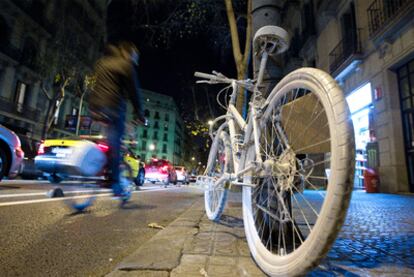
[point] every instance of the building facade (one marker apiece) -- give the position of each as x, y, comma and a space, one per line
368, 47
163, 137
29, 32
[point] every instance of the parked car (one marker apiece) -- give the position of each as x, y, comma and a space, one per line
182, 175
11, 153
160, 171
59, 159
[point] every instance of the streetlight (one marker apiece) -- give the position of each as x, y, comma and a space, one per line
193, 158
210, 122
152, 147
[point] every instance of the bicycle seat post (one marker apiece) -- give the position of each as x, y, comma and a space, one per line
263, 63
269, 41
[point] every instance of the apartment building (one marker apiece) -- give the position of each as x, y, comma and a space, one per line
368, 47
163, 137
28, 32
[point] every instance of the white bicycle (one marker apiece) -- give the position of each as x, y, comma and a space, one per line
293, 157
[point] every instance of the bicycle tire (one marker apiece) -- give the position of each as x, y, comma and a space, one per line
219, 162
284, 239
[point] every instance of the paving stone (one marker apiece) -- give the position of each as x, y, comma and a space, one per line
377, 239
143, 273
190, 265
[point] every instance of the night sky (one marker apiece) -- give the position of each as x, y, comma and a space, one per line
169, 69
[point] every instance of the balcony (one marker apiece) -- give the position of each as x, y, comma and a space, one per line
387, 17
20, 110
347, 53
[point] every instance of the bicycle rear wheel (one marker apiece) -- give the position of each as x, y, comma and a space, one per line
219, 162
298, 205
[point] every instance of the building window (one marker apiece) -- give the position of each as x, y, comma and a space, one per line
165, 127
167, 117
144, 145
157, 115
164, 148
155, 136
145, 134
20, 95
156, 125
147, 113
165, 137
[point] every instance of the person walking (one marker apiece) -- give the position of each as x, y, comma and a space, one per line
116, 83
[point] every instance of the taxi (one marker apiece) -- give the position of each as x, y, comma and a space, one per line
78, 157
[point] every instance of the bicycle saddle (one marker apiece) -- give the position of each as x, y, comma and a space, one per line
271, 39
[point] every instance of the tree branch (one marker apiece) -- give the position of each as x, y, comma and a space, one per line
44, 90
234, 33
248, 34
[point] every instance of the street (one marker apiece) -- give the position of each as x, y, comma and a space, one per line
41, 236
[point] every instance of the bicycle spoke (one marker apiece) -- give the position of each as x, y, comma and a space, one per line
304, 217
313, 145
307, 127
310, 206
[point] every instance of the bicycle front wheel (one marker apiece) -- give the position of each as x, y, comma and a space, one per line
299, 200
219, 162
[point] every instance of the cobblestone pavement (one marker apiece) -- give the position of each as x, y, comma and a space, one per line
376, 240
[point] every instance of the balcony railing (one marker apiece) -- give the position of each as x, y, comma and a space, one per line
349, 46
381, 12
22, 110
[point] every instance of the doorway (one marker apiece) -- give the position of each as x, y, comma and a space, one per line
360, 104
405, 75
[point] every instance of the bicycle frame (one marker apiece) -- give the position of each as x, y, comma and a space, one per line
234, 119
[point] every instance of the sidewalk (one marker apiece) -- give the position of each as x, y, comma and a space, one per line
377, 239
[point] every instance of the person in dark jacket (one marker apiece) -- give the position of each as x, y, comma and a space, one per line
116, 83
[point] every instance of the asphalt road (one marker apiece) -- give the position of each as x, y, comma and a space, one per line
40, 236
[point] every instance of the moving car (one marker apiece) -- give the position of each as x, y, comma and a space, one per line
11, 153
160, 171
182, 175
75, 157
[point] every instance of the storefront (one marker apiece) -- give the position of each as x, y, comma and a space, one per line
360, 105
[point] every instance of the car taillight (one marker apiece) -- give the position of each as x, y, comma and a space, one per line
104, 148
19, 152
41, 149
164, 169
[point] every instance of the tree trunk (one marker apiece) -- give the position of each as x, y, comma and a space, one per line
240, 59
54, 105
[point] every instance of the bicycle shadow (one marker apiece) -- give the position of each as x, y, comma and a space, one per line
230, 221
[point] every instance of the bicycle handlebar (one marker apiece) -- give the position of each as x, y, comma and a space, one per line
220, 78
212, 78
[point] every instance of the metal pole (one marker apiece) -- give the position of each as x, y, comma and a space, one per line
267, 12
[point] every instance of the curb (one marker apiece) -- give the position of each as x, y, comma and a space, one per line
163, 252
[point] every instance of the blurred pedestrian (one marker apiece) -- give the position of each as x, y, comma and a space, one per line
116, 83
